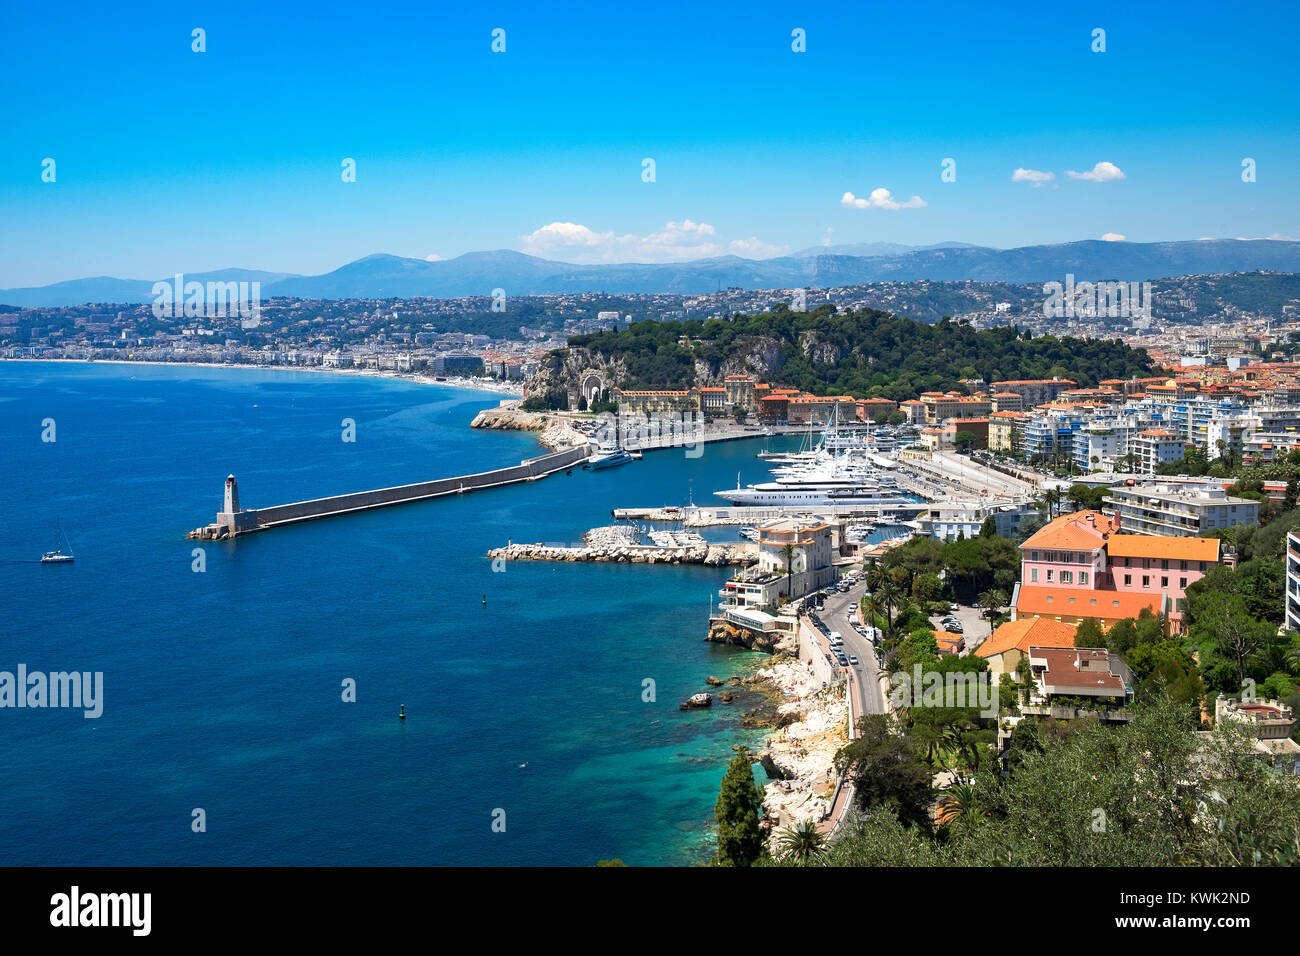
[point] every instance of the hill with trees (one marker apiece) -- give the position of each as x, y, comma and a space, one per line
866, 353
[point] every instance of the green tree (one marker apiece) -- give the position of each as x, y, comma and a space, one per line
802, 843
739, 804
887, 771
989, 529
1089, 634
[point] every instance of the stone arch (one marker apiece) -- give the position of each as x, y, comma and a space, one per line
593, 383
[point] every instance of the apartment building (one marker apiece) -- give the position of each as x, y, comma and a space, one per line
1035, 391
1081, 566
1180, 510
1153, 447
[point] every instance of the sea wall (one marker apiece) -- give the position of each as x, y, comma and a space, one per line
257, 519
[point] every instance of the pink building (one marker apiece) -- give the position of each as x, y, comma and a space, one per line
1081, 566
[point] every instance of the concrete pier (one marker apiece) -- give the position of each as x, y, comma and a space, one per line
234, 520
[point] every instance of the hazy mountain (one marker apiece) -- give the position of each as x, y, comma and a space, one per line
872, 249
478, 273
110, 290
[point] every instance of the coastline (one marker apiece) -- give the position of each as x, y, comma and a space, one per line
465, 384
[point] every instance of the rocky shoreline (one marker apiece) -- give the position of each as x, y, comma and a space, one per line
556, 431
800, 757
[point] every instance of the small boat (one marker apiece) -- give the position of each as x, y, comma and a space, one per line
58, 556
749, 533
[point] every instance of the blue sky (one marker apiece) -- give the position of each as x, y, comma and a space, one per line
169, 160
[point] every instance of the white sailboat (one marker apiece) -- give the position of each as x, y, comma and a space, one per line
58, 556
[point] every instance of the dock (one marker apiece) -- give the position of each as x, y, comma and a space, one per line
234, 520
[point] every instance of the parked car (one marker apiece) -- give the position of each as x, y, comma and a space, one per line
853, 660
956, 627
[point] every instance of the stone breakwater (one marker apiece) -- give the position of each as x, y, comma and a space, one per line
800, 756
716, 555
556, 431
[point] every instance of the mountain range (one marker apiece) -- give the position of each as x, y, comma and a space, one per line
478, 273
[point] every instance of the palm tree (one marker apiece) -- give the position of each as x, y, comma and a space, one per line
990, 602
787, 551
801, 843
959, 802
888, 594
1053, 497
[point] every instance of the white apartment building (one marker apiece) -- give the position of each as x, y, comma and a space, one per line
1153, 447
1183, 510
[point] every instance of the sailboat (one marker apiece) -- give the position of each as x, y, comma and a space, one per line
58, 556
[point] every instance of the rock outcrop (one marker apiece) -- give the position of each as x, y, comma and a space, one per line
557, 431
696, 701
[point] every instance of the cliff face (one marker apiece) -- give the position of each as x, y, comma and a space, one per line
565, 369
760, 356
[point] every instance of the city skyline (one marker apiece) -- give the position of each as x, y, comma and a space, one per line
168, 160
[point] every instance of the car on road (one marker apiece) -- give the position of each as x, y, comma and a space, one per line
853, 660
954, 607
844, 661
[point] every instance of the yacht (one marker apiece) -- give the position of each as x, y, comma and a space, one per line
610, 457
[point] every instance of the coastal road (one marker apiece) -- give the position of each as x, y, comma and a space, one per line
865, 677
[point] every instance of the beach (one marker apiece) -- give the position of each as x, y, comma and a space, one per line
509, 389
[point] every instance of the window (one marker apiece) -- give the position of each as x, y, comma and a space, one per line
1049, 574
1083, 577
1146, 580
1182, 584
1128, 580
1164, 565
1033, 574
1164, 582
1033, 555
1067, 577
1183, 565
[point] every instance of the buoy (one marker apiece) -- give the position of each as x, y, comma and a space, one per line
485, 600
401, 712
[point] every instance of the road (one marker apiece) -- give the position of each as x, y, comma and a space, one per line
865, 676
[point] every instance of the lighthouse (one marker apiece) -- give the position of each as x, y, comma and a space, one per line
231, 505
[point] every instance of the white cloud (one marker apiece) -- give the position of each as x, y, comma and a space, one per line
1278, 235
1113, 237
1103, 172
826, 240
433, 257
677, 241
755, 248
880, 199
1035, 176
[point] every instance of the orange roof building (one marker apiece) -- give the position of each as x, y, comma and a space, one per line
1082, 566
1012, 641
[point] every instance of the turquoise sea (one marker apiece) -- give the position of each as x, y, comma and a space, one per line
223, 688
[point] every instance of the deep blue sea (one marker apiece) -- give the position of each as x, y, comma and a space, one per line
223, 689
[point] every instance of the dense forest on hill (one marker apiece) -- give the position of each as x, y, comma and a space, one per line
862, 353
